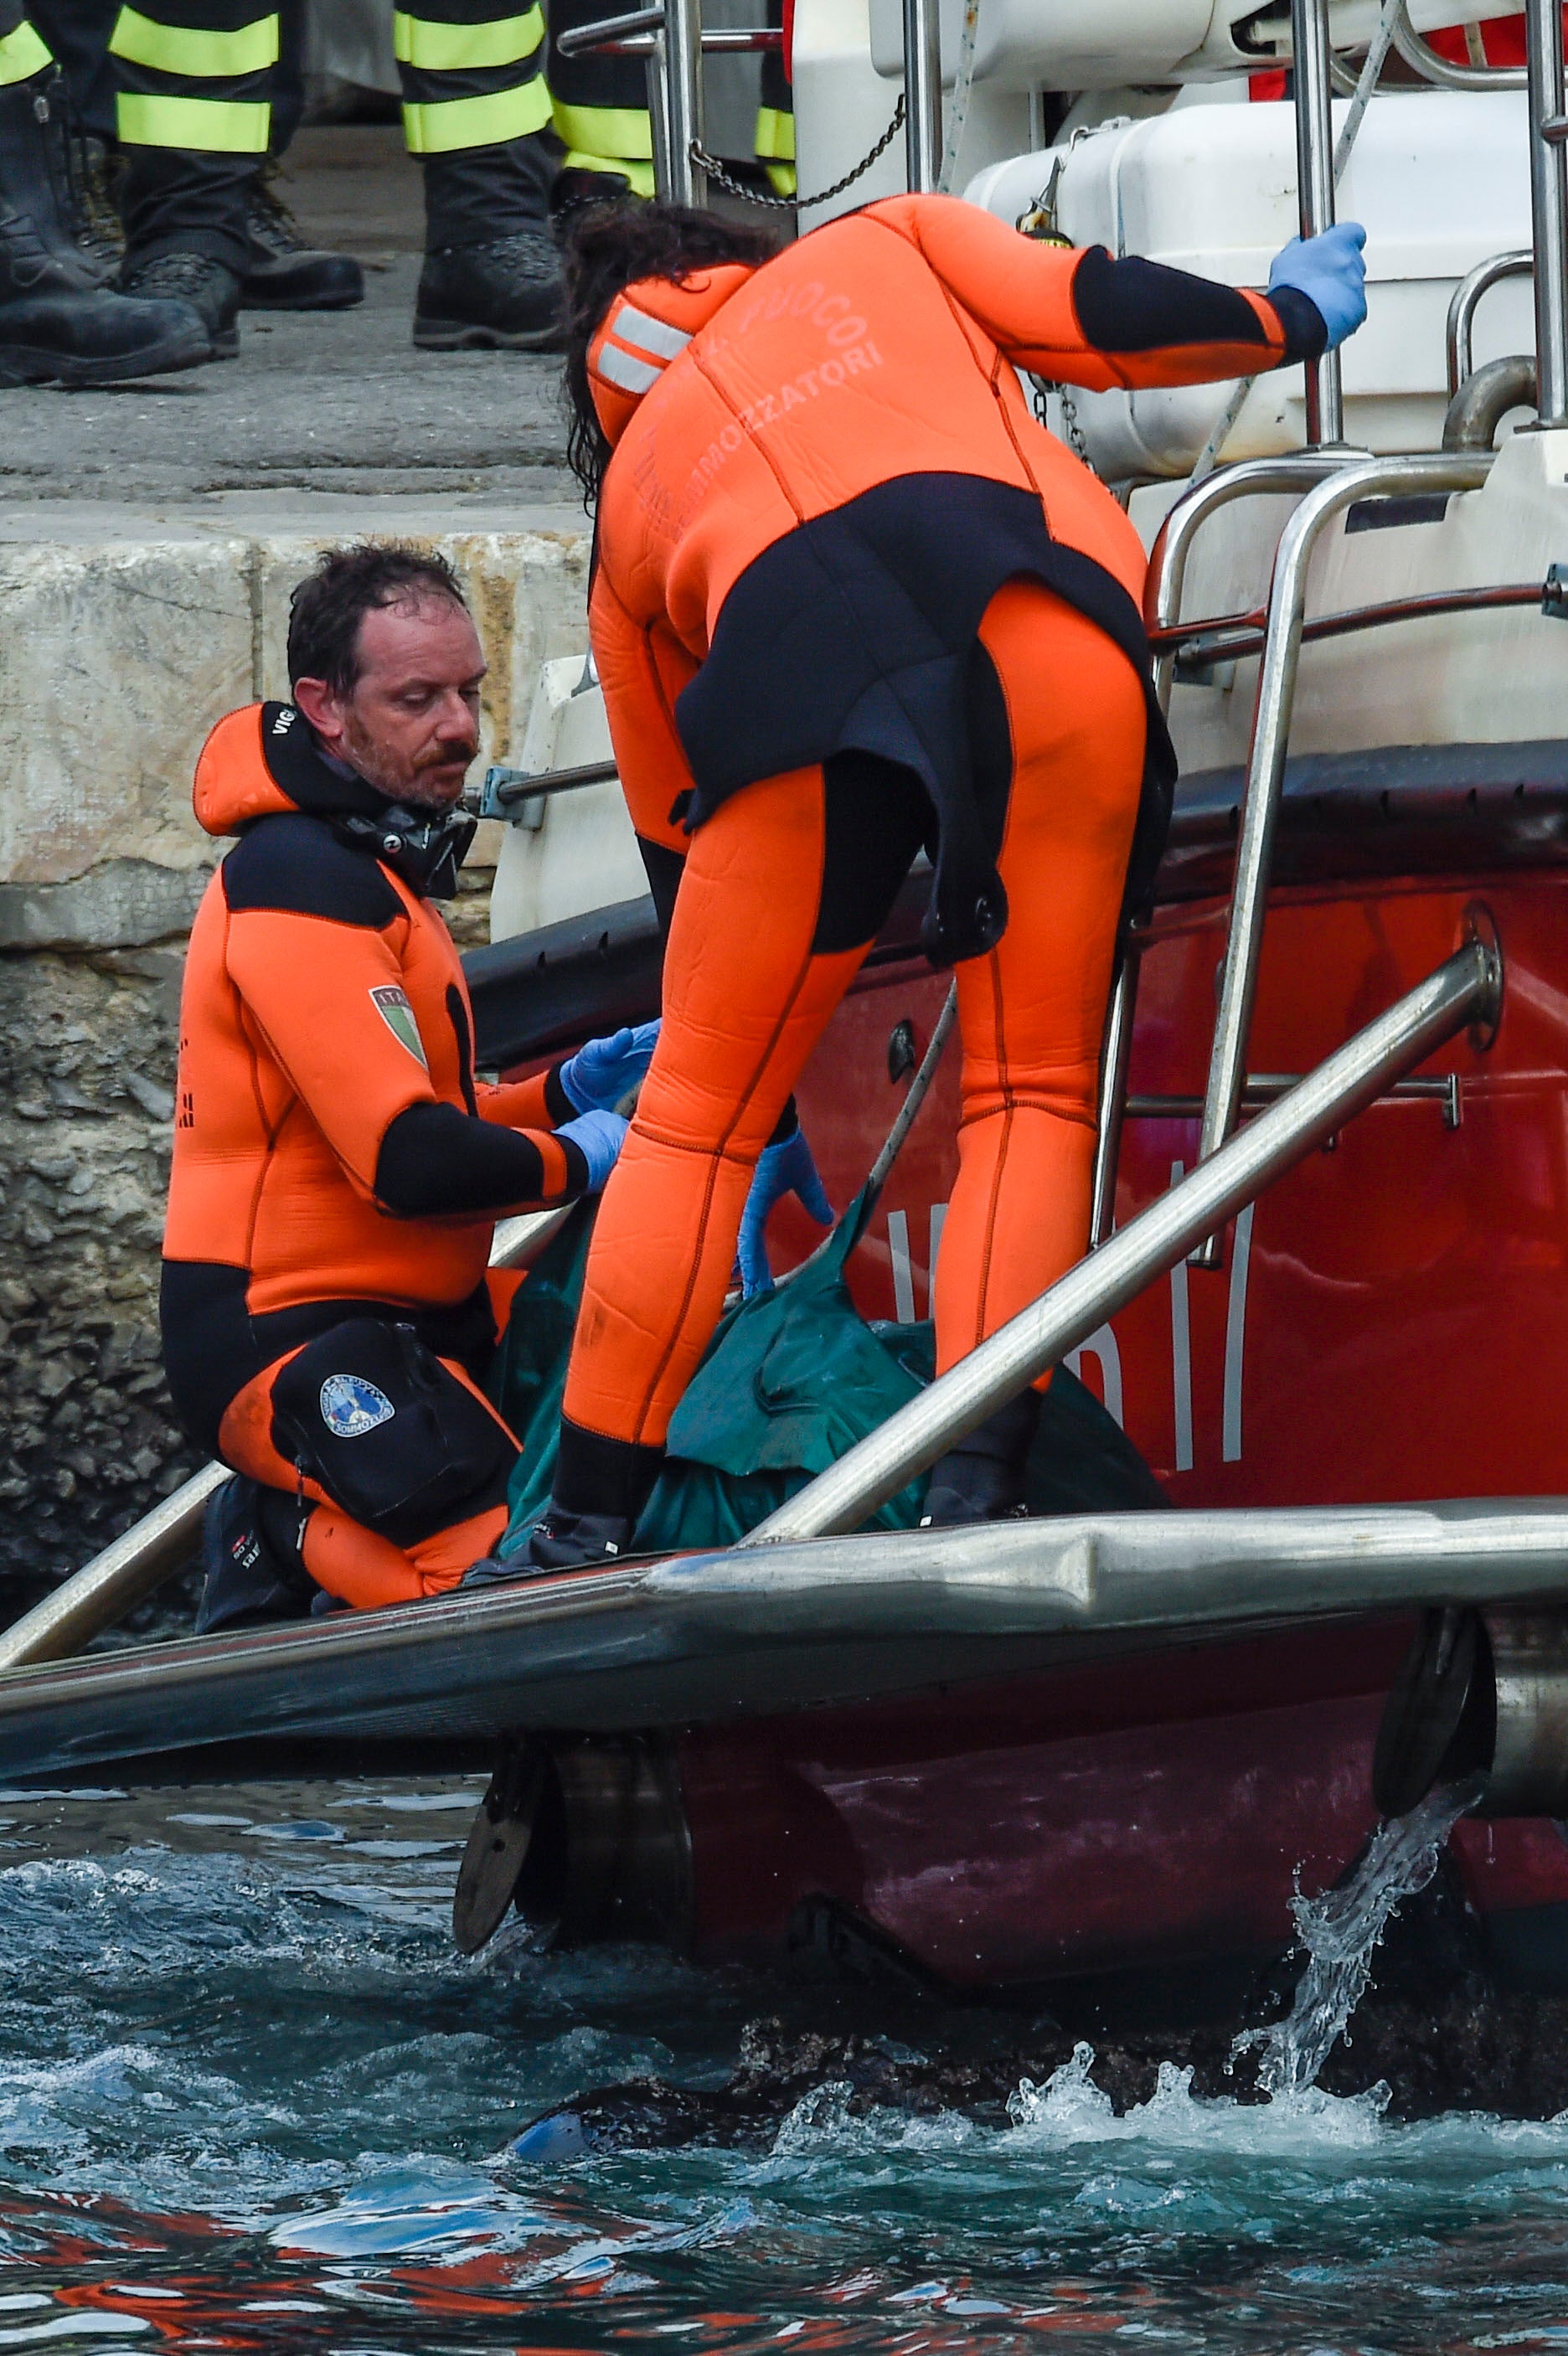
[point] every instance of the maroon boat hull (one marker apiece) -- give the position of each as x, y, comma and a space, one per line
1391, 1323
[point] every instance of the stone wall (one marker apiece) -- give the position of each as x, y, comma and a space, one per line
113, 666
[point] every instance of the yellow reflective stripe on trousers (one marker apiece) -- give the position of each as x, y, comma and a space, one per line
22, 54
195, 55
774, 135
606, 130
432, 47
639, 177
212, 127
452, 123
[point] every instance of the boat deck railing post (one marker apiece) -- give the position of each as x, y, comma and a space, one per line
1315, 191
1466, 989
922, 94
1368, 478
1257, 478
1549, 206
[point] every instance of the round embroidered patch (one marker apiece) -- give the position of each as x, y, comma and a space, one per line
351, 1405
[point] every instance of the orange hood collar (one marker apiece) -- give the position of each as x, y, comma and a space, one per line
263, 759
646, 326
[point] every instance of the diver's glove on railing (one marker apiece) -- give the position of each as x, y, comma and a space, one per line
598, 1138
783, 1168
599, 1075
1330, 271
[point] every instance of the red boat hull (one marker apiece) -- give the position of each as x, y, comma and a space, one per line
1391, 1323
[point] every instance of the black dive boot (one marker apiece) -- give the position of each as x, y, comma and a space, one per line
982, 1479
58, 323
504, 297
617, 1475
206, 285
561, 1541
285, 272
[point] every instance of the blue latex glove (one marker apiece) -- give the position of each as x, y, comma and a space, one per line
1329, 271
600, 1137
597, 1077
786, 1168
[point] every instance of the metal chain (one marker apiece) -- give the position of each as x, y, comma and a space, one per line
716, 170
1039, 222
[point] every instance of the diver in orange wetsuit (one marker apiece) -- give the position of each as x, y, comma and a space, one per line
849, 598
327, 1314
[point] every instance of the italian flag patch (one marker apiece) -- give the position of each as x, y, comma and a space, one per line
392, 1004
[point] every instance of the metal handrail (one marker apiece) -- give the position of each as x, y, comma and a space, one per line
504, 789
1254, 478
1466, 989
610, 28
1547, 205
1422, 58
670, 37
923, 95
1463, 307
1162, 589
1230, 637
1115, 1061
1266, 755
1314, 188
742, 41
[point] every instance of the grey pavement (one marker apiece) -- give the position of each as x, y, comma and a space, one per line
333, 401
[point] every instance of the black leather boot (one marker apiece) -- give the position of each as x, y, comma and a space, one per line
504, 297
982, 1479
58, 323
286, 274
207, 286
99, 239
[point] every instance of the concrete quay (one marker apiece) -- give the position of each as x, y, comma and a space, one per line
149, 539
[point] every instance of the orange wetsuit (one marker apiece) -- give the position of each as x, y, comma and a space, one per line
851, 596
337, 1170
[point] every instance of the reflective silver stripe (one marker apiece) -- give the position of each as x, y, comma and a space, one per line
646, 335
631, 375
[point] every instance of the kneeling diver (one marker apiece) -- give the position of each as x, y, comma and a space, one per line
851, 598
328, 1317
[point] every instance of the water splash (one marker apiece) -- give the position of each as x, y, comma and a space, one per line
1340, 1931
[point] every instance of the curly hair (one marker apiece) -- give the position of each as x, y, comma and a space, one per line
329, 605
612, 246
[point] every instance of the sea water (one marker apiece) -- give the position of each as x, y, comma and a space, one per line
251, 2099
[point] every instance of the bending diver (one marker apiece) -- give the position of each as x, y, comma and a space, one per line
851, 598
328, 1313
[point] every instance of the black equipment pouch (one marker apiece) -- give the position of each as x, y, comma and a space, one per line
389, 1431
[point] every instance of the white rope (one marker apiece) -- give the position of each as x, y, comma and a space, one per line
959, 109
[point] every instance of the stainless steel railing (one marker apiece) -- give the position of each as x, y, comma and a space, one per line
1460, 336
1549, 206
922, 94
1314, 188
1255, 477
1466, 989
1277, 671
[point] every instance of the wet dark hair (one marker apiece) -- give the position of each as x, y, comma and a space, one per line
328, 607
612, 246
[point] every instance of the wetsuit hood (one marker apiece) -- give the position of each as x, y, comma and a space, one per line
265, 760
648, 325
